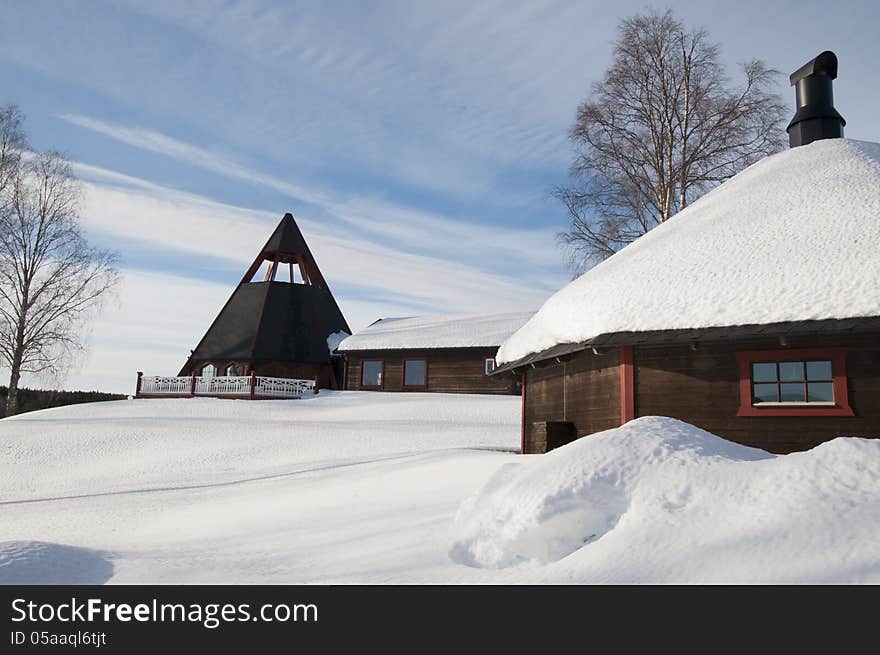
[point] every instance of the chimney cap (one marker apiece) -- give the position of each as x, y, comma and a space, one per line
826, 63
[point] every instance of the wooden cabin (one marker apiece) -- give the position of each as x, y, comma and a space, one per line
449, 354
753, 314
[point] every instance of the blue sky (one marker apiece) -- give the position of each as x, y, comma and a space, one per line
415, 142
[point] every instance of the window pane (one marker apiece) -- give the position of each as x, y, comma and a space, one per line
765, 372
208, 371
791, 371
819, 371
820, 392
765, 393
488, 366
414, 373
791, 393
371, 374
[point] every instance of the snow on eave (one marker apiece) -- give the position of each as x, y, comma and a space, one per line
602, 342
333, 340
793, 237
442, 331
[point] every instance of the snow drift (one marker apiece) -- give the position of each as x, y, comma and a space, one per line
661, 500
793, 237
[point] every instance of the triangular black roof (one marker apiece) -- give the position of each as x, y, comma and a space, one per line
287, 238
274, 322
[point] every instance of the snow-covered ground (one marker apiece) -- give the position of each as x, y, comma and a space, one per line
338, 487
365, 487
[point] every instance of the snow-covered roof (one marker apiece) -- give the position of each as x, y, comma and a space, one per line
449, 331
794, 237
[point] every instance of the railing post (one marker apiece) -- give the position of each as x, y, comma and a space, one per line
253, 382
317, 382
137, 388
192, 385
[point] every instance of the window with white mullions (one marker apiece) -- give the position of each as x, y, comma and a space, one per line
792, 382
488, 365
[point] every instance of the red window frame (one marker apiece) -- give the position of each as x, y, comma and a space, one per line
837, 356
494, 366
361, 384
403, 383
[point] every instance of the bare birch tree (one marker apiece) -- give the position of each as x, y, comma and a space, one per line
13, 141
662, 127
51, 279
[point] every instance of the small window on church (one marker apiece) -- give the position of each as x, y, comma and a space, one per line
208, 371
372, 372
488, 365
415, 373
234, 370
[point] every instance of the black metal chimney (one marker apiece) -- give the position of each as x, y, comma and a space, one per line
816, 118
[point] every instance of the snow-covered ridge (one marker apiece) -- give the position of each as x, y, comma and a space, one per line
793, 237
447, 331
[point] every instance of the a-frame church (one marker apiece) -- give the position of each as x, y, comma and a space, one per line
278, 320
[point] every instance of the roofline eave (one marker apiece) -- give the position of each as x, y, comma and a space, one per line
693, 335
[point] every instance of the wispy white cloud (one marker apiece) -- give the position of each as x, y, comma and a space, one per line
452, 70
448, 97
212, 161
489, 247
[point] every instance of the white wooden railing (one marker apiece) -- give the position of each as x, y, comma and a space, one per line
282, 387
232, 385
155, 385
242, 386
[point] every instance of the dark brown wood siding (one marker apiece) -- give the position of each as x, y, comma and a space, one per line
450, 370
584, 391
701, 386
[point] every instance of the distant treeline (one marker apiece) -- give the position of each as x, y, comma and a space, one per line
30, 400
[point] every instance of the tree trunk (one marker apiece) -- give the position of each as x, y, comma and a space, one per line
15, 371
12, 397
